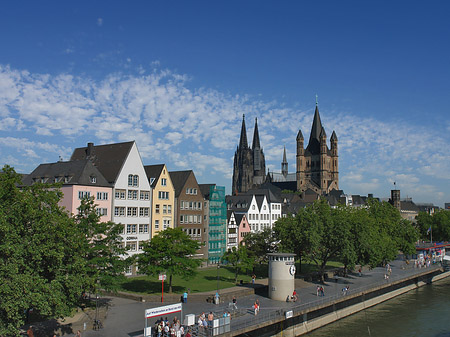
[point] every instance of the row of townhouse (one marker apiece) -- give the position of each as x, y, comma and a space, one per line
145, 199
251, 212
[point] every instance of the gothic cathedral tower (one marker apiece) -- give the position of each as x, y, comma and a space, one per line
317, 165
249, 168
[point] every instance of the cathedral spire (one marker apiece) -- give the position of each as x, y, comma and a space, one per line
255, 143
243, 143
284, 164
284, 155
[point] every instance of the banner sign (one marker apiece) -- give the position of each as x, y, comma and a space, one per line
160, 311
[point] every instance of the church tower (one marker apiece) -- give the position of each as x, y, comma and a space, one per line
317, 165
249, 167
284, 164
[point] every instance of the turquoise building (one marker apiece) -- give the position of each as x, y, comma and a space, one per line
217, 221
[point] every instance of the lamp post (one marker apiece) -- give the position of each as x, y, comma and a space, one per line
218, 267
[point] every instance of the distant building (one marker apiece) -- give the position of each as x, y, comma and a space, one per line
216, 216
317, 166
79, 179
163, 197
447, 206
122, 167
189, 209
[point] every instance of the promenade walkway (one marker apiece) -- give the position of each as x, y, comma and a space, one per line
125, 317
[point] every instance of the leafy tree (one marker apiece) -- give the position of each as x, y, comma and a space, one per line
42, 265
171, 252
259, 244
439, 222
239, 259
103, 247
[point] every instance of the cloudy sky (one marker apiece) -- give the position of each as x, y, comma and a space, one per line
177, 76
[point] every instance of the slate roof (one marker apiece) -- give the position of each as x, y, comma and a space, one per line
179, 179
153, 171
233, 201
409, 205
108, 158
78, 172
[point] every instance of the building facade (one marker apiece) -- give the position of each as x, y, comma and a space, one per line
163, 198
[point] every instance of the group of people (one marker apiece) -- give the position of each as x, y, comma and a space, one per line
320, 291
163, 328
205, 321
293, 298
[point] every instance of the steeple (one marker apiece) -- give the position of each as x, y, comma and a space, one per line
284, 164
255, 143
243, 143
316, 126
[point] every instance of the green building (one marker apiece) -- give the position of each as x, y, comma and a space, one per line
216, 215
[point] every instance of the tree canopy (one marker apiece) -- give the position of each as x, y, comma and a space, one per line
259, 244
436, 224
239, 258
170, 251
366, 236
103, 248
42, 265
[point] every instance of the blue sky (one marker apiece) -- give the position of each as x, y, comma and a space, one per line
176, 76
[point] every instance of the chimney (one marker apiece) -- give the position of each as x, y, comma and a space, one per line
90, 147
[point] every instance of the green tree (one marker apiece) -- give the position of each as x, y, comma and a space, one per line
105, 253
171, 251
42, 265
259, 244
438, 223
239, 259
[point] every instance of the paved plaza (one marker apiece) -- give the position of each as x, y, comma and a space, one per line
125, 317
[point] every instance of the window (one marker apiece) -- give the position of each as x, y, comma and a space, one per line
102, 211
169, 209
253, 207
156, 224
102, 195
84, 194
166, 223
141, 245
163, 182
163, 195
119, 194
164, 209
119, 211
93, 179
152, 180
195, 191
132, 194
143, 229
132, 211
143, 211
131, 246
131, 229
133, 180
157, 208
144, 195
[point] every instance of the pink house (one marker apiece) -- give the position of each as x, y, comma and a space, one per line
79, 179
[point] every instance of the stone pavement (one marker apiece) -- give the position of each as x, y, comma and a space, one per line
125, 317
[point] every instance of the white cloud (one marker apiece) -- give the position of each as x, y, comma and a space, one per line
99, 22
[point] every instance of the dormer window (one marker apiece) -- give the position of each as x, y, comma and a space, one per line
152, 180
93, 179
66, 179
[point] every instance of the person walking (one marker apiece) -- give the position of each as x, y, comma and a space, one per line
185, 295
234, 303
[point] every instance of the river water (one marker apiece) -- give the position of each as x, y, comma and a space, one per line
423, 312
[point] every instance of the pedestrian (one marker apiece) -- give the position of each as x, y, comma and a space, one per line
234, 303
210, 319
318, 291
217, 298
185, 295
253, 279
294, 296
78, 334
255, 307
322, 291
359, 272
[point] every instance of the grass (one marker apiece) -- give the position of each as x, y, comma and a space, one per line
205, 280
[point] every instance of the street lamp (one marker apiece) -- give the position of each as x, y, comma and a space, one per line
218, 267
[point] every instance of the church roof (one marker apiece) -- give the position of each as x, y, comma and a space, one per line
243, 143
255, 143
284, 155
314, 138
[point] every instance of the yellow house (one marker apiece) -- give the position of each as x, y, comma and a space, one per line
163, 198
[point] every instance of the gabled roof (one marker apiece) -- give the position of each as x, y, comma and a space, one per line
109, 158
243, 201
179, 179
259, 200
238, 218
77, 172
153, 171
409, 205
269, 190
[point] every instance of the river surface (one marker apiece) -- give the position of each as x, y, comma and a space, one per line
421, 312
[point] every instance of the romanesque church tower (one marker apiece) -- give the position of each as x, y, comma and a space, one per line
249, 169
317, 165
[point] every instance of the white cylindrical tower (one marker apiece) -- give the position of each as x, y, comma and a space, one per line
281, 275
